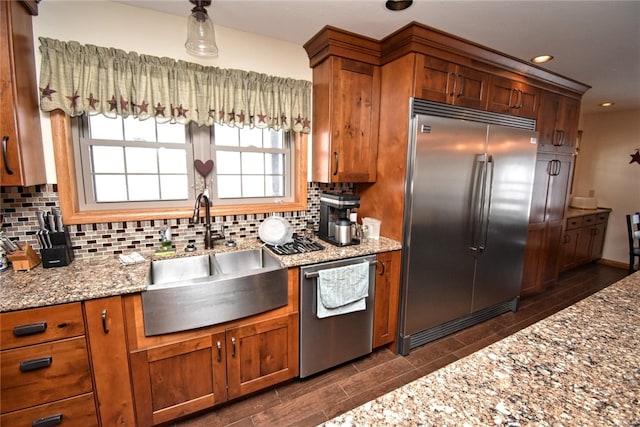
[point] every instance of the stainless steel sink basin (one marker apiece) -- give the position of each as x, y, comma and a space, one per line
179, 269
203, 290
242, 261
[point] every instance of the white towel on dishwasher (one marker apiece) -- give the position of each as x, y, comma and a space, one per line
342, 290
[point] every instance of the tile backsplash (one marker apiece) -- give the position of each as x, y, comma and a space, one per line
20, 204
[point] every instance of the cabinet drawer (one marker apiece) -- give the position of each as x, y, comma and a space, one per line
602, 217
79, 411
588, 220
39, 325
43, 373
574, 222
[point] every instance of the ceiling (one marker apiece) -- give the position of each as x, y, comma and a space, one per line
593, 42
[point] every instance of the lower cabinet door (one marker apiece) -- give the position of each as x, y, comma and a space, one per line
78, 411
262, 354
177, 379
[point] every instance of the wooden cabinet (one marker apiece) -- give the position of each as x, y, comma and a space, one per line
22, 159
583, 239
513, 97
186, 376
552, 178
443, 81
346, 108
385, 321
558, 122
104, 320
45, 371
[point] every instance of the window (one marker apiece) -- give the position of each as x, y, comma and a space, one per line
130, 164
251, 163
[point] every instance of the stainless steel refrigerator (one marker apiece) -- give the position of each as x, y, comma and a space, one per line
468, 194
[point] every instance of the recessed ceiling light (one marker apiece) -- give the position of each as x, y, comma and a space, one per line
398, 4
607, 104
541, 59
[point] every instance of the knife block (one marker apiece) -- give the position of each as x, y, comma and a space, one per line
24, 259
61, 252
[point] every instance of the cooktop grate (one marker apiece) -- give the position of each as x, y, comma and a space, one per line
299, 245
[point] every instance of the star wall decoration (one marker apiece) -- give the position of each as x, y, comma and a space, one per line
635, 157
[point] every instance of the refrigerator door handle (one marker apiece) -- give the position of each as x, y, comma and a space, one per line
489, 168
476, 206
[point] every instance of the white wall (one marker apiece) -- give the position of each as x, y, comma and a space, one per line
109, 24
602, 165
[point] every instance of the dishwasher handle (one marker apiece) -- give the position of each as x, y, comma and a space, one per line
314, 274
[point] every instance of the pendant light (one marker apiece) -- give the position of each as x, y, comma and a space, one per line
201, 38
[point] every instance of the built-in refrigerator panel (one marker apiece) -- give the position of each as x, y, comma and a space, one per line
440, 266
468, 192
511, 155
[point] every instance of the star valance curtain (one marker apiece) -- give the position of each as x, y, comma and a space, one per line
81, 79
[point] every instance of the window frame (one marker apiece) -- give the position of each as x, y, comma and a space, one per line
73, 213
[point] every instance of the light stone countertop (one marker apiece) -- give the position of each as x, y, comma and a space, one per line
99, 277
578, 367
574, 212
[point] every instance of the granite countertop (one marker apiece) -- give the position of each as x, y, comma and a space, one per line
574, 212
580, 366
100, 277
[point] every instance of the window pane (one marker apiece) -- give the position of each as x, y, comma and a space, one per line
274, 186
229, 186
250, 137
141, 160
144, 187
101, 127
253, 186
174, 187
110, 188
107, 159
252, 163
171, 132
273, 138
139, 130
226, 135
274, 164
172, 161
227, 162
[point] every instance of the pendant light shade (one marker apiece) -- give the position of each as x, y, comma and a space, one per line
201, 37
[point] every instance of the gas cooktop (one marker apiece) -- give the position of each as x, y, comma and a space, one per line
299, 245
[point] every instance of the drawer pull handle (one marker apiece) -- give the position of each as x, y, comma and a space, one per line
219, 346
30, 329
33, 364
233, 346
52, 420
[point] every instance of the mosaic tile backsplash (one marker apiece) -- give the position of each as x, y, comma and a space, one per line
20, 204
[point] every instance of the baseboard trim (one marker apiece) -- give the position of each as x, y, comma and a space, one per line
615, 264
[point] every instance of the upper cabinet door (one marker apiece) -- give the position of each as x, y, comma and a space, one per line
443, 81
21, 153
557, 122
346, 110
512, 97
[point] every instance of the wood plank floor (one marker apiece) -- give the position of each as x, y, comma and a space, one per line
319, 398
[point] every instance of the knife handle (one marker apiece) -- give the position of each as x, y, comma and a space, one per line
52, 222
40, 216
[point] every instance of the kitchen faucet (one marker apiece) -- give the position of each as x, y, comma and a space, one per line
209, 238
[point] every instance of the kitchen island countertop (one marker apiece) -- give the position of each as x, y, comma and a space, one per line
100, 277
580, 366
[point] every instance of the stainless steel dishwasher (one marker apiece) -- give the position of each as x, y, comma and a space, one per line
330, 341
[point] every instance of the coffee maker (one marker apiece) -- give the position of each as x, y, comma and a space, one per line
335, 226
